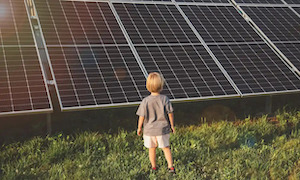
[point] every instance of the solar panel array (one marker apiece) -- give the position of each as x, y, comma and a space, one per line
22, 87
101, 52
161, 37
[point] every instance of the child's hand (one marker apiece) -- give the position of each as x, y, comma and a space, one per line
173, 129
139, 132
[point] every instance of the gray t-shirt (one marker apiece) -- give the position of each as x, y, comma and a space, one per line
155, 110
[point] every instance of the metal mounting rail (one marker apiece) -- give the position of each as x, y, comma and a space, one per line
47, 57
43, 64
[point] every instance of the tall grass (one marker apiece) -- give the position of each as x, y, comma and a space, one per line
259, 148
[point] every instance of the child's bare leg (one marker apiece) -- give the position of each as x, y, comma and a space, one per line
168, 155
152, 156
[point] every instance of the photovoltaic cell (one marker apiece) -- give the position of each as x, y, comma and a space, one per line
155, 23
278, 23
220, 24
22, 87
73, 22
93, 76
260, 1
256, 68
291, 51
189, 70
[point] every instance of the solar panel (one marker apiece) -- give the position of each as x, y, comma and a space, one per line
291, 51
220, 24
68, 23
95, 76
204, 1
155, 23
256, 68
260, 1
189, 70
278, 23
22, 88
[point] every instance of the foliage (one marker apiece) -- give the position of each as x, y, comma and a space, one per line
260, 148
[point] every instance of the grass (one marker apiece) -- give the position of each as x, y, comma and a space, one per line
260, 148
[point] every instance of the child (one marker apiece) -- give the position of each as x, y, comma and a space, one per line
156, 114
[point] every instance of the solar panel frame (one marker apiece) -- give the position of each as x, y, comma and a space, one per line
37, 88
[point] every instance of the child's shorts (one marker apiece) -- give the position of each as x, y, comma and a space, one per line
152, 141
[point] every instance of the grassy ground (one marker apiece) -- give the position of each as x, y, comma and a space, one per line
250, 149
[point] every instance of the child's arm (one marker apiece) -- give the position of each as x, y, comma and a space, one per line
171, 118
140, 124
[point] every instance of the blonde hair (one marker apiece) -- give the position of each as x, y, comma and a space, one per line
155, 82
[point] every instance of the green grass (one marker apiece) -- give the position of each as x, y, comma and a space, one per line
249, 149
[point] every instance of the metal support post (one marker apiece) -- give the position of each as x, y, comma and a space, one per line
269, 104
49, 127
